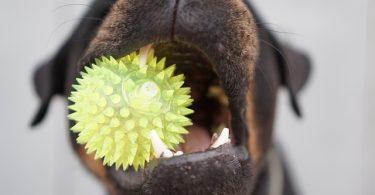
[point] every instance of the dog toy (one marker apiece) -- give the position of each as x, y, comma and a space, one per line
118, 102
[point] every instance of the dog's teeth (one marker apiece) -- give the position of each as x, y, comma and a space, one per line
158, 145
178, 153
167, 154
214, 138
143, 53
222, 139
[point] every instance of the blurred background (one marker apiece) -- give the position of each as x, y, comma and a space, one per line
331, 150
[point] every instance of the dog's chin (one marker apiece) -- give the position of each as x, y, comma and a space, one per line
201, 169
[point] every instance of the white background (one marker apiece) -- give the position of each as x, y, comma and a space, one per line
331, 150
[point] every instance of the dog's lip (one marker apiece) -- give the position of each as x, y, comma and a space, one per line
188, 165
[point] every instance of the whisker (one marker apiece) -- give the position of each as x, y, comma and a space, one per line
71, 4
268, 83
267, 26
69, 21
281, 54
280, 32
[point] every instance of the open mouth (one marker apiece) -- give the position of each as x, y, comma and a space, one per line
216, 55
210, 150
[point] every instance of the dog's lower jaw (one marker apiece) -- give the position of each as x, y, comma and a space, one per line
228, 171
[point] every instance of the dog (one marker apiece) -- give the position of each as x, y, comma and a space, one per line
234, 66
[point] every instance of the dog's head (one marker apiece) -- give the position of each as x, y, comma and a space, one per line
233, 65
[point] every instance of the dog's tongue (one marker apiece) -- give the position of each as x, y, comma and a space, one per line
197, 140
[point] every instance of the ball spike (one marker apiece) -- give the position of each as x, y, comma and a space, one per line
170, 70
161, 64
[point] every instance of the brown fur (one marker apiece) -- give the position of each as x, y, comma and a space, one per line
261, 99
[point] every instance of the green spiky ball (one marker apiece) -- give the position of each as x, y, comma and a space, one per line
118, 102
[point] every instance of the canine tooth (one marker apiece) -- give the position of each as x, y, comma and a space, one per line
178, 153
222, 139
214, 138
144, 54
157, 144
